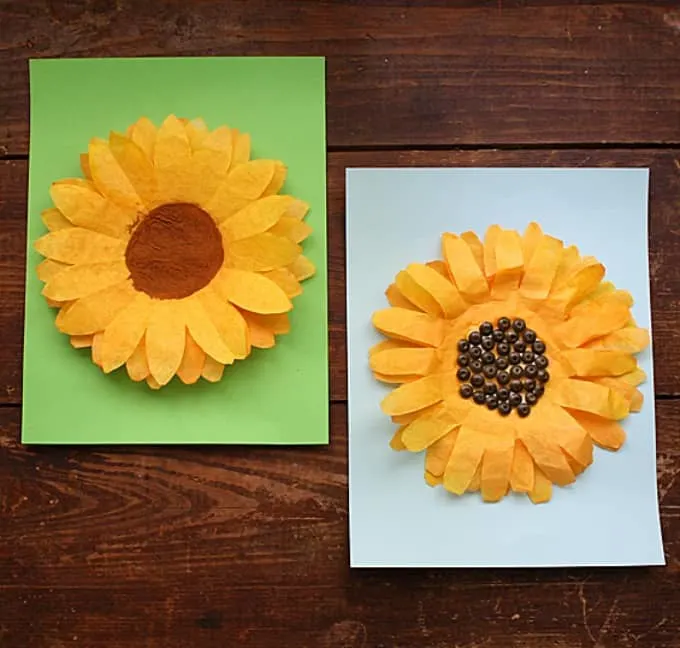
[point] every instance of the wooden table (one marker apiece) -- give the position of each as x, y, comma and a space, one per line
220, 547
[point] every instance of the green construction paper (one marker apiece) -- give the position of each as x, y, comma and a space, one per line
276, 396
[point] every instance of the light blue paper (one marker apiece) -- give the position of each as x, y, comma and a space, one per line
610, 516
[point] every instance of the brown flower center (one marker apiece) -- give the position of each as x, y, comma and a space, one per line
174, 251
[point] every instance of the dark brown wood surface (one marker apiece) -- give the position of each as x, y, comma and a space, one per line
218, 547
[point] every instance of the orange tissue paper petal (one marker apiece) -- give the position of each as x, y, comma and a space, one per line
396, 443
302, 268
396, 298
438, 453
77, 245
542, 490
262, 252
590, 397
251, 291
137, 365
193, 361
522, 471
441, 290
212, 370
467, 274
408, 325
256, 218
165, 340
604, 432
496, 471
430, 427
595, 362
413, 396
122, 336
464, 460
414, 361
95, 312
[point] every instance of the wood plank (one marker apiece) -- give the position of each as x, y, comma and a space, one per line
398, 73
664, 246
243, 546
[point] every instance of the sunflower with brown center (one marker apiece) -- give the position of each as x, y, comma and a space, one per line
513, 357
175, 254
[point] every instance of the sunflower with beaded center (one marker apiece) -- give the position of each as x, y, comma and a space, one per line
175, 254
513, 356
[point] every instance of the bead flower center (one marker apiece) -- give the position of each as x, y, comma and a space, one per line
174, 251
503, 367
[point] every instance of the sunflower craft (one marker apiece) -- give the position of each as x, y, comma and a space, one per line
512, 357
175, 254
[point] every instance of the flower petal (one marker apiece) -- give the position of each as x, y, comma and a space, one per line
605, 433
429, 428
228, 321
464, 460
259, 335
78, 245
172, 161
509, 264
302, 268
122, 336
635, 377
396, 298
476, 246
540, 270
165, 339
415, 361
633, 396
291, 228
241, 148
409, 325
212, 370
204, 331
137, 167
417, 295
467, 274
143, 134
596, 362
250, 291
522, 474
84, 279
95, 312
592, 323
262, 252
285, 280
496, 471
396, 443
546, 453
54, 220
137, 365
590, 397
193, 362
630, 339
490, 239
48, 269
251, 179
278, 179
533, 236
109, 178
438, 453
256, 218
81, 341
413, 396
542, 490
441, 290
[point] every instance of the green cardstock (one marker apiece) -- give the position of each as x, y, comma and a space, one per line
275, 396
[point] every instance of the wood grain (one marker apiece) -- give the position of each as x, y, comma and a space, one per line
664, 247
399, 73
233, 546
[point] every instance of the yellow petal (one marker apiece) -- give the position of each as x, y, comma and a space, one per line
109, 178
605, 433
630, 339
476, 246
522, 472
291, 228
546, 453
48, 269
95, 312
542, 490
395, 379
469, 276
438, 453
409, 325
197, 131
259, 335
409, 417
278, 179
584, 279
251, 179
464, 460
533, 236
212, 370
592, 323
153, 383
165, 339
143, 134
54, 220
204, 331
256, 218
635, 377
396, 443
590, 397
595, 362
81, 341
414, 361
428, 428
417, 295
285, 280
540, 270
496, 471
77, 245
79, 281
172, 160
413, 396
193, 362
137, 365
85, 166
490, 250
302, 268
508, 264
262, 252
250, 291
229, 323
396, 298
441, 290
96, 349
241, 148
298, 209
278, 323
122, 336
565, 430
633, 396
210, 164
137, 167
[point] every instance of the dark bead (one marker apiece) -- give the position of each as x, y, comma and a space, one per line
528, 357
523, 410
541, 362
475, 338
477, 380
488, 357
520, 346
515, 399
463, 374
502, 362
489, 371
511, 337
503, 348
488, 343
539, 346
503, 377
504, 408
531, 398
466, 390
498, 335
475, 352
503, 394
519, 324
528, 384
486, 328
529, 336
543, 375
515, 385
515, 358
463, 345
516, 371
463, 360
490, 388
539, 390
476, 366
530, 371
479, 398
504, 323
491, 402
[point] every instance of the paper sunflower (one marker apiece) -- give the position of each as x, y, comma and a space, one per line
513, 356
175, 254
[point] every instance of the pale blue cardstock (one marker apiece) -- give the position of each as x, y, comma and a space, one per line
610, 515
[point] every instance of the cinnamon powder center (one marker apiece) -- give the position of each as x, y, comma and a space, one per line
174, 251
